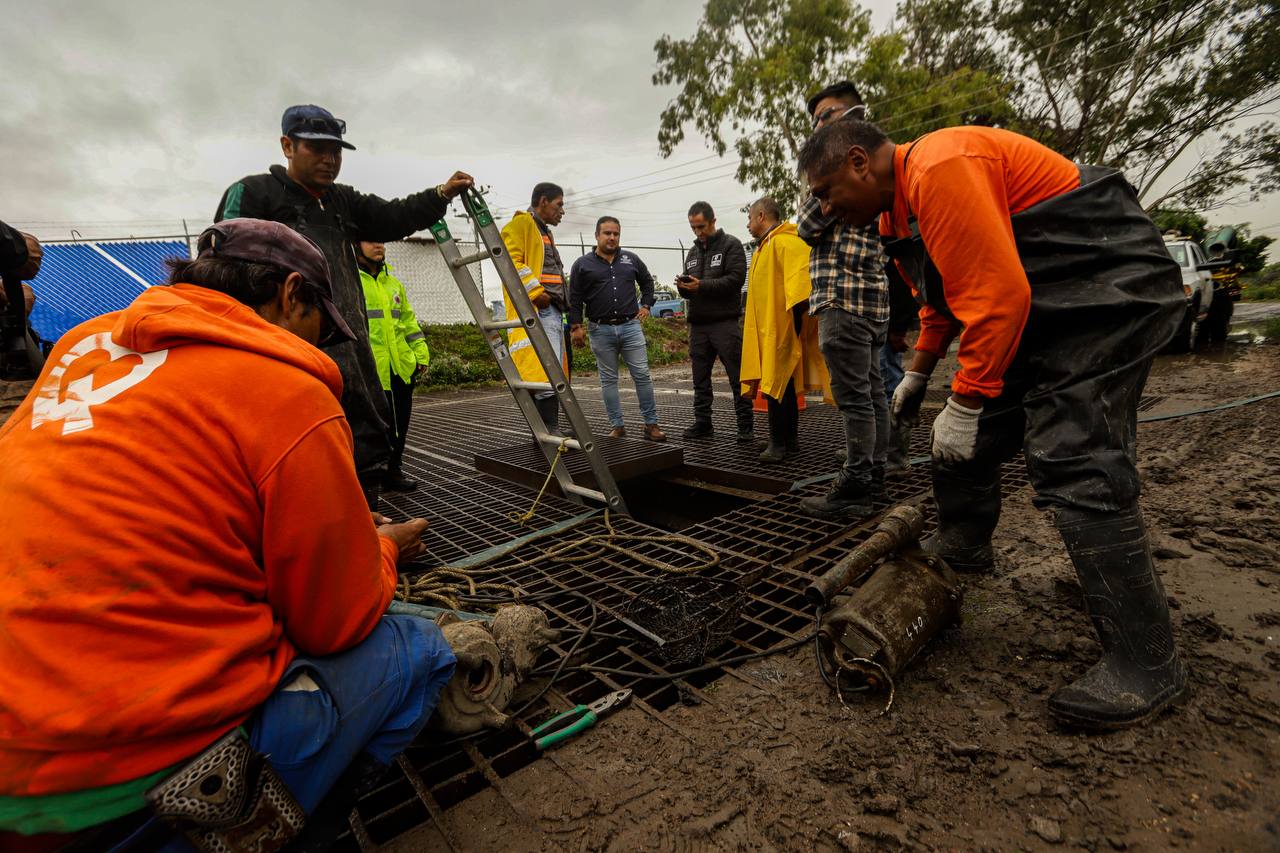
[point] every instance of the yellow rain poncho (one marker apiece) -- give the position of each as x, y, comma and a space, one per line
772, 352
524, 243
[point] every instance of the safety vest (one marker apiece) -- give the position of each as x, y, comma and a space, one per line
395, 337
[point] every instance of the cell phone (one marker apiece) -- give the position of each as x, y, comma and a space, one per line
684, 278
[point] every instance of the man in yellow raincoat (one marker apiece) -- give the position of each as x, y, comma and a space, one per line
533, 251
780, 355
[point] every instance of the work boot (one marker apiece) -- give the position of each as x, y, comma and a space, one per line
652, 432
549, 409
774, 453
699, 429
396, 481
793, 444
848, 498
618, 432
897, 462
1140, 673
746, 436
968, 500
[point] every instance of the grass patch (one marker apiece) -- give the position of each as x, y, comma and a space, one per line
460, 358
1271, 330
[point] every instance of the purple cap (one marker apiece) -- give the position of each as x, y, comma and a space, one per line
261, 242
307, 121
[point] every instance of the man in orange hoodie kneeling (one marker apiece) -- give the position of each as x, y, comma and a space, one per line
187, 560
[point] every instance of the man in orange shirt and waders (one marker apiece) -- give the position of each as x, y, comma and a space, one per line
190, 579
1061, 292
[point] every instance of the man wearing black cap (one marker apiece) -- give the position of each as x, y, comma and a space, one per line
305, 197
230, 585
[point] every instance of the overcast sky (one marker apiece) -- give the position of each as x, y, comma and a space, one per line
125, 118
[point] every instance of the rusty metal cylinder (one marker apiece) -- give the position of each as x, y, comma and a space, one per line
891, 617
900, 526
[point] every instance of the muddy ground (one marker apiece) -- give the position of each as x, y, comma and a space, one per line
768, 759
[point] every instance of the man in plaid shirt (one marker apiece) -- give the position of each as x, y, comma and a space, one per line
851, 300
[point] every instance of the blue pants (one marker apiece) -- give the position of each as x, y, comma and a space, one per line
627, 339
890, 369
373, 698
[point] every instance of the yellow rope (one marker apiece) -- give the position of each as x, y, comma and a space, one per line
524, 518
446, 584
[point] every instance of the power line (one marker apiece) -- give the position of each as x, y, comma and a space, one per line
645, 175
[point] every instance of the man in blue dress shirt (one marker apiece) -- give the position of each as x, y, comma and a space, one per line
603, 286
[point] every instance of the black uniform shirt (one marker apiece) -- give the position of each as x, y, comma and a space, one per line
608, 290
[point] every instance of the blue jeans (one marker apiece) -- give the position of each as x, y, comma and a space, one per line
374, 698
627, 339
890, 369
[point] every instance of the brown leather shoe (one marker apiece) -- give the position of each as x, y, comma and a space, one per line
653, 432
618, 432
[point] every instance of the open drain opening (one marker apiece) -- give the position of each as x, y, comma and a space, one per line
674, 503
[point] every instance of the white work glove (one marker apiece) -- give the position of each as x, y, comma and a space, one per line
907, 398
955, 432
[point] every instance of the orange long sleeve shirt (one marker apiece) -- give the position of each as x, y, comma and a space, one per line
963, 184
181, 519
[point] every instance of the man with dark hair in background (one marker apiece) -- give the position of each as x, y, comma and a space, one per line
603, 285
851, 300
715, 270
1061, 292
305, 196
537, 261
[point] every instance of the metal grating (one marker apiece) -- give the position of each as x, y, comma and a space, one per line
768, 545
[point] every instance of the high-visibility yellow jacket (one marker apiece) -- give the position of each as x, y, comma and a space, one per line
524, 242
395, 337
772, 352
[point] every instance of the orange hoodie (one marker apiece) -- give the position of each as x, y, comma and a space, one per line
181, 519
963, 184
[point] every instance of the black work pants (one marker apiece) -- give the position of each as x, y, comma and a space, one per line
400, 399
708, 341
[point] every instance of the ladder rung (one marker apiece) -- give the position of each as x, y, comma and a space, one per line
473, 258
585, 492
532, 386
548, 438
504, 324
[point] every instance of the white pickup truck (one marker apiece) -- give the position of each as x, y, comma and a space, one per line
1197, 284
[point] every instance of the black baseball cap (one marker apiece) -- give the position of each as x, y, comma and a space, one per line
307, 121
261, 242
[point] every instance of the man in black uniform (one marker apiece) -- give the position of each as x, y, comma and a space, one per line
714, 272
305, 197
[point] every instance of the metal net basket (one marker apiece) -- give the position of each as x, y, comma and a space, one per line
690, 616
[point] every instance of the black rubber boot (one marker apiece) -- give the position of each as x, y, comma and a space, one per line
549, 409
396, 481
849, 498
698, 429
968, 511
776, 451
899, 443
1140, 673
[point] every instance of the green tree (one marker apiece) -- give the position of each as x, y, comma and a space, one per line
1142, 85
1186, 222
746, 72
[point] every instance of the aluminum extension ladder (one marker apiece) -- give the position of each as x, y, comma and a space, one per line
496, 251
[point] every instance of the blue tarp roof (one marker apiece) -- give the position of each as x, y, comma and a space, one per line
76, 283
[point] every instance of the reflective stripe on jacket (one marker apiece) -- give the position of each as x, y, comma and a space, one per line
395, 337
525, 245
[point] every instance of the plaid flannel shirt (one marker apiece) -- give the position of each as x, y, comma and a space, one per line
846, 264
